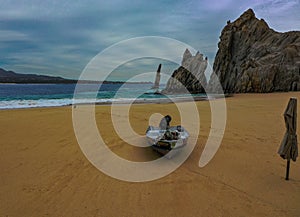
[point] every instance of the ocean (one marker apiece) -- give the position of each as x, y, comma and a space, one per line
13, 96
48, 95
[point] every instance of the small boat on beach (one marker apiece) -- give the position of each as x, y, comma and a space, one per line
165, 140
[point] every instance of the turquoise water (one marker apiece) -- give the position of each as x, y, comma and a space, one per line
47, 95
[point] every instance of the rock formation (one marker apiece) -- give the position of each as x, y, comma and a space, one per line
189, 76
157, 78
254, 58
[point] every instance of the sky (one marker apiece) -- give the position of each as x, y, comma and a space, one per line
60, 37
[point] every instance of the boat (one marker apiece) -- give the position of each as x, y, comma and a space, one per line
154, 91
164, 141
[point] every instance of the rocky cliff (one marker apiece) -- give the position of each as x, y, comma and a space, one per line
189, 76
254, 58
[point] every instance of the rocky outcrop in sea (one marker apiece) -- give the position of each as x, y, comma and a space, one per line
254, 58
189, 76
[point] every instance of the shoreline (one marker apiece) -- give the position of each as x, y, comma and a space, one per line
132, 101
151, 101
158, 101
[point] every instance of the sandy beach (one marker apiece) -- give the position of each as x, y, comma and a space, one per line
44, 172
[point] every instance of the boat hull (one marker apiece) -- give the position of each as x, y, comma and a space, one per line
164, 146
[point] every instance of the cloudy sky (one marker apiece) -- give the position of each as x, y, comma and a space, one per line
60, 37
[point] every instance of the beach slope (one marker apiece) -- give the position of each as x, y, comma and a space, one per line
44, 173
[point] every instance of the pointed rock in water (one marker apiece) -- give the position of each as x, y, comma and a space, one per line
189, 77
157, 78
254, 58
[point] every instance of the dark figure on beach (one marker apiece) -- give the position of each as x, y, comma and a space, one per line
165, 122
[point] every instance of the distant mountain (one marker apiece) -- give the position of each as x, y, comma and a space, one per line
18, 78
13, 77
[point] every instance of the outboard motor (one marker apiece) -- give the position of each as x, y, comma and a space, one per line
165, 122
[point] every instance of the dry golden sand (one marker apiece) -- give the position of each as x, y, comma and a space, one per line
44, 173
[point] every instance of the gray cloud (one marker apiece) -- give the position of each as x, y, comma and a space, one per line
60, 37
